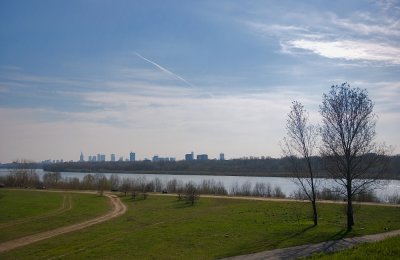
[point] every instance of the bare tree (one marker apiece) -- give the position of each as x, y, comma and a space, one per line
114, 181
51, 179
101, 183
125, 186
88, 181
299, 146
191, 192
351, 156
24, 175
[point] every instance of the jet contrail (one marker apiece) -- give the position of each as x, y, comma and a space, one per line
163, 69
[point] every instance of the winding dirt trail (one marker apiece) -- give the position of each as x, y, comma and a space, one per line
118, 208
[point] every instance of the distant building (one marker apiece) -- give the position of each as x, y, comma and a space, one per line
121, 159
100, 157
202, 157
189, 156
112, 157
132, 157
81, 158
156, 158
221, 156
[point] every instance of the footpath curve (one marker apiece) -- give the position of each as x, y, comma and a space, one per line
309, 249
118, 208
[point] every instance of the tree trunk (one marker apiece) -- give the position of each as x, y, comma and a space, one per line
350, 219
315, 214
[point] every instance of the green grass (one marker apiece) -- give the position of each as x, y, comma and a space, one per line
164, 228
24, 204
386, 249
26, 212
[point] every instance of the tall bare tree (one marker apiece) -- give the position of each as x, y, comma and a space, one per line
350, 153
299, 146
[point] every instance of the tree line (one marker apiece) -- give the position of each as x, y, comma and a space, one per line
272, 167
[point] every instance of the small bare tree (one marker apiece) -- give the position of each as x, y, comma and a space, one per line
191, 192
125, 186
101, 183
298, 146
350, 153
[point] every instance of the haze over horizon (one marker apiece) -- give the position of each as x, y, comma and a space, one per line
171, 77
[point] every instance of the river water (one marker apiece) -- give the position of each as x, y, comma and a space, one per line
287, 185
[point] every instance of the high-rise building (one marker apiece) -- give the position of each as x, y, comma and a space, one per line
189, 156
221, 156
81, 158
202, 157
113, 157
157, 158
132, 157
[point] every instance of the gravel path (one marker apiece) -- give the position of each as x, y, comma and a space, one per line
307, 250
118, 208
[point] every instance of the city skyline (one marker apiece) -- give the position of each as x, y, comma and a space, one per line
132, 156
172, 77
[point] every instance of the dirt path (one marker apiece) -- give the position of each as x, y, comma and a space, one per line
118, 208
284, 200
323, 247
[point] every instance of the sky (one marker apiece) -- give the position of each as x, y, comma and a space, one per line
171, 77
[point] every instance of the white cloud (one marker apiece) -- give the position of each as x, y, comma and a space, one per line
349, 50
369, 25
275, 28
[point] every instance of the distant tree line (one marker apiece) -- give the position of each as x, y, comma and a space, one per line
273, 167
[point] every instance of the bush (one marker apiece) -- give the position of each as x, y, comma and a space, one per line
394, 198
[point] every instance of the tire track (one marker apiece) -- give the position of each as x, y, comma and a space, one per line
65, 206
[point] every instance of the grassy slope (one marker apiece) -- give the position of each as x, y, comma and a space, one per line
163, 228
24, 204
386, 249
41, 211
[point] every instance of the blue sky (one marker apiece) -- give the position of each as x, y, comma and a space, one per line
171, 77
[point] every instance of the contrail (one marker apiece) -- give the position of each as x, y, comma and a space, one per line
164, 69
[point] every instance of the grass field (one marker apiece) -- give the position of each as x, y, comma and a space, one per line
25, 212
386, 249
163, 228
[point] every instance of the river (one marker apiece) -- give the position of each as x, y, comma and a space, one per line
287, 185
